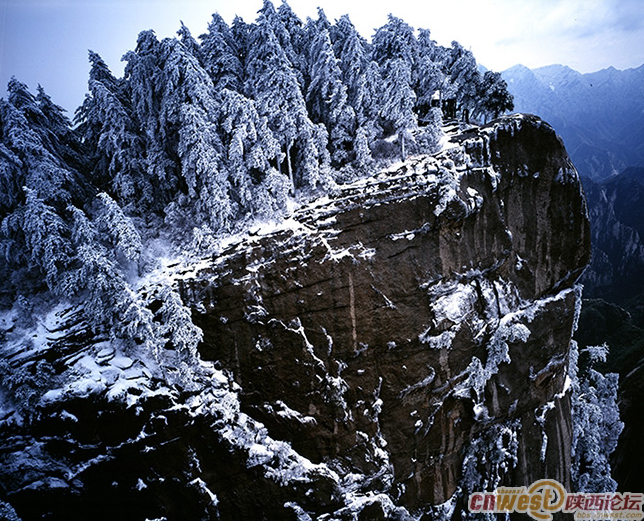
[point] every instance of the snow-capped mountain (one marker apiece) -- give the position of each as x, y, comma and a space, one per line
600, 115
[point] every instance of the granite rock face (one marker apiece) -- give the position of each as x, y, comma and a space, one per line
394, 324
389, 349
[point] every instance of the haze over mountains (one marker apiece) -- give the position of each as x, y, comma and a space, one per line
599, 115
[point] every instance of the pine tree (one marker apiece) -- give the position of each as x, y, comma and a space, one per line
111, 131
135, 324
251, 148
278, 25
398, 101
46, 238
37, 186
190, 44
240, 34
96, 272
176, 325
370, 96
146, 82
493, 96
10, 176
220, 57
327, 100
427, 75
189, 104
349, 47
294, 43
113, 223
395, 41
464, 76
57, 135
43, 143
272, 83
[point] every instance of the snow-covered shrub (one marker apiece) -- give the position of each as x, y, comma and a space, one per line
26, 384
488, 459
596, 423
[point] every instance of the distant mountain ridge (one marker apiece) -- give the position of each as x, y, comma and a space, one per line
616, 210
599, 115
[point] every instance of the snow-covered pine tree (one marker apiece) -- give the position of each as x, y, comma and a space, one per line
46, 239
464, 76
96, 275
281, 24
294, 28
240, 32
349, 48
250, 149
110, 130
394, 41
37, 186
220, 57
57, 135
34, 138
272, 83
595, 417
146, 82
122, 233
10, 175
176, 326
427, 75
327, 100
493, 97
189, 106
312, 29
398, 101
34, 234
189, 42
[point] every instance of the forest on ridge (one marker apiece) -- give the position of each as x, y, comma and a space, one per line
199, 138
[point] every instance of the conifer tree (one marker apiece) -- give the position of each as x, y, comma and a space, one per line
349, 48
113, 223
294, 43
220, 57
146, 81
327, 100
272, 83
111, 131
493, 96
96, 272
464, 76
399, 100
190, 44
395, 41
240, 33
189, 104
57, 135
46, 238
176, 325
289, 43
251, 148
427, 75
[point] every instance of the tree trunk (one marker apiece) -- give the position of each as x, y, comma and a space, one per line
288, 162
402, 144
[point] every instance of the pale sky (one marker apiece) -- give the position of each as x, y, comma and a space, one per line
46, 41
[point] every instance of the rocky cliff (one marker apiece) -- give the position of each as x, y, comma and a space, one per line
385, 351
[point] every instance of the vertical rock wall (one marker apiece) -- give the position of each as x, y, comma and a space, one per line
393, 328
